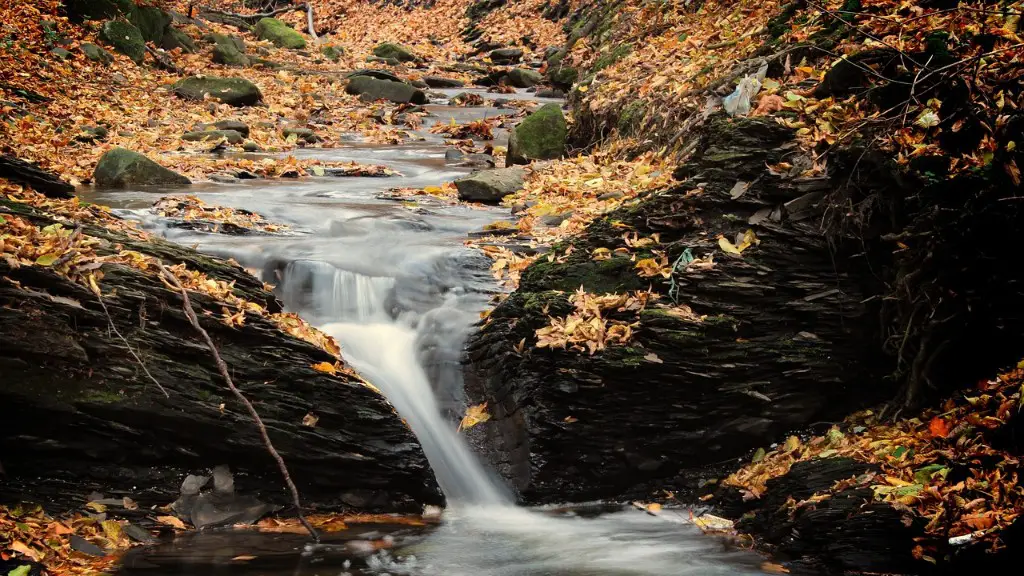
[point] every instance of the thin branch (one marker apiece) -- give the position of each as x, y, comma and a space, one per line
187, 307
142, 364
311, 28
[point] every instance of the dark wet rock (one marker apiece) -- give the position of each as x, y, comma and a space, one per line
81, 10
220, 506
151, 21
490, 186
120, 168
279, 33
93, 134
492, 78
218, 38
374, 89
550, 52
555, 219
125, 38
236, 125
524, 78
506, 55
233, 91
387, 61
419, 84
563, 77
454, 156
175, 39
550, 93
138, 534
30, 174
228, 54
390, 50
540, 136
96, 53
231, 136
332, 53
378, 74
442, 82
79, 418
82, 545
302, 134
250, 146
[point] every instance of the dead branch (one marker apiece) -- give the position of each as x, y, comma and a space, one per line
190, 313
127, 345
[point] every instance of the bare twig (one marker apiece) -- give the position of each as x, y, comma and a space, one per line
142, 364
223, 367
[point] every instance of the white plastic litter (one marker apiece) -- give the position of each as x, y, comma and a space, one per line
738, 103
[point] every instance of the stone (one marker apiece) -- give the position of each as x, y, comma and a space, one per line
374, 89
120, 168
231, 136
563, 77
61, 53
279, 33
96, 53
506, 55
441, 82
175, 39
419, 84
390, 50
93, 133
125, 38
218, 38
151, 21
228, 54
303, 134
332, 53
232, 91
378, 74
550, 93
550, 52
524, 77
490, 186
540, 136
236, 125
250, 146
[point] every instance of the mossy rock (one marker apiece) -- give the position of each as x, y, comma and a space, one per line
611, 57
563, 76
390, 50
279, 33
232, 91
96, 53
332, 53
228, 54
151, 21
120, 168
175, 39
524, 77
125, 38
540, 136
231, 136
371, 89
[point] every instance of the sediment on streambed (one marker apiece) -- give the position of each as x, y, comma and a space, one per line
80, 413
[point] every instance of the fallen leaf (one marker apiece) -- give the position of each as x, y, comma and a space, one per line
474, 415
173, 521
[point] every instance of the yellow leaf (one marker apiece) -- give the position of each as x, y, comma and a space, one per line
244, 557
46, 259
583, 88
112, 529
310, 420
325, 367
171, 521
31, 553
727, 246
96, 507
474, 415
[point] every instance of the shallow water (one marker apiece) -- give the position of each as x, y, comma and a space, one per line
394, 284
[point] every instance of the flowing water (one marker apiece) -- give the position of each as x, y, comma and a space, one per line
394, 284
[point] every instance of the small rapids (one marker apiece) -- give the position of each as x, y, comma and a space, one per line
399, 291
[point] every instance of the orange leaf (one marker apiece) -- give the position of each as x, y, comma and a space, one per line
938, 427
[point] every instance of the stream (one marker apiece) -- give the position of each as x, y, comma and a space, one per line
394, 284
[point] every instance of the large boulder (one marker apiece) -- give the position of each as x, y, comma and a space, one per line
540, 136
490, 186
390, 50
524, 77
151, 21
96, 53
125, 38
373, 89
232, 91
175, 39
279, 33
120, 168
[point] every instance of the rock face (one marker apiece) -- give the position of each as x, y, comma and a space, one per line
232, 91
79, 416
490, 186
125, 38
120, 168
279, 33
230, 136
524, 77
776, 340
96, 53
540, 136
374, 89
390, 50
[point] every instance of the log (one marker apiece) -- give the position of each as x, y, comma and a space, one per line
78, 415
30, 174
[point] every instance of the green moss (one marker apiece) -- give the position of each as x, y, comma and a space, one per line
279, 33
151, 21
611, 57
631, 118
563, 76
779, 25
101, 396
390, 50
615, 275
125, 38
540, 136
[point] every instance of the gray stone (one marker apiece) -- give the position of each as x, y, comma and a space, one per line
175, 39
96, 53
506, 55
388, 61
524, 77
236, 125
231, 136
378, 74
394, 51
490, 186
61, 53
374, 89
332, 53
550, 93
540, 136
125, 38
232, 91
610, 196
250, 146
441, 82
303, 134
120, 168
228, 54
419, 84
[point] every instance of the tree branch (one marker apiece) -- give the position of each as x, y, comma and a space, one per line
190, 313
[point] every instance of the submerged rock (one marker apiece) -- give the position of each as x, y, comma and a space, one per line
540, 136
233, 91
120, 168
279, 33
374, 89
490, 186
